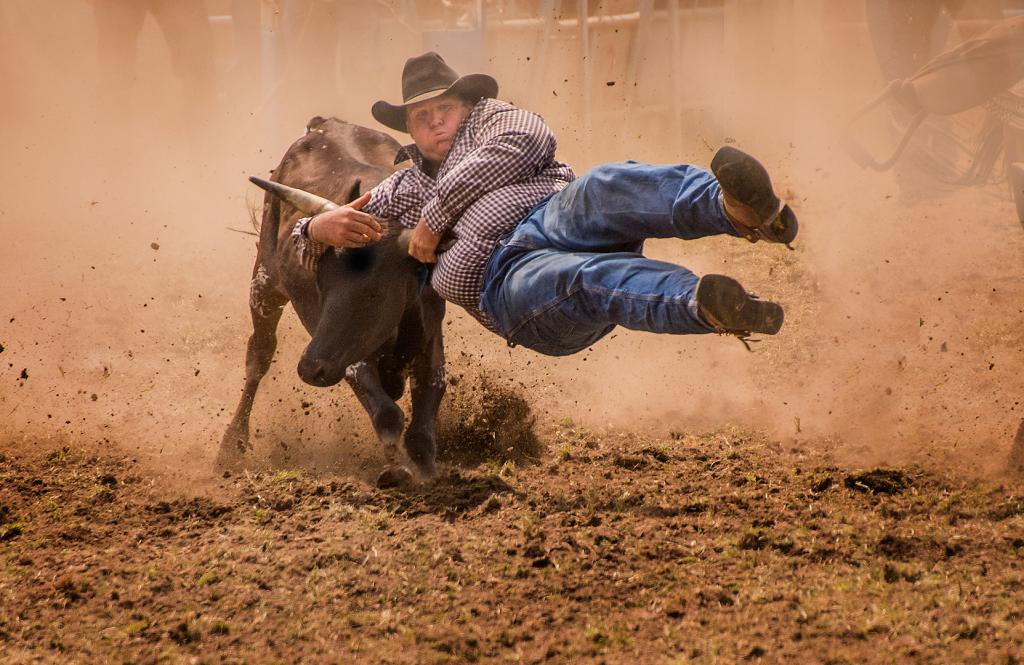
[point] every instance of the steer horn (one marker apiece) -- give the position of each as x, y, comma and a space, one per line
311, 204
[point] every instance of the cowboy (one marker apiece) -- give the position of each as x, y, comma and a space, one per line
543, 258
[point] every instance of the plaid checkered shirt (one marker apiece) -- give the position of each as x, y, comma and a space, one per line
501, 164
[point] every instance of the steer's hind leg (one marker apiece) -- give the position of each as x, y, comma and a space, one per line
266, 304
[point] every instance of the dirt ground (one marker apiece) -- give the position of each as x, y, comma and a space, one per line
616, 548
849, 491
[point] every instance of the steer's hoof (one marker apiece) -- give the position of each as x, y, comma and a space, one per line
394, 477
234, 445
422, 452
427, 470
1015, 464
229, 458
388, 423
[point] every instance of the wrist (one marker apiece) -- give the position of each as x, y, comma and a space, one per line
308, 230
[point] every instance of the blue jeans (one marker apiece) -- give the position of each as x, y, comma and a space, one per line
573, 269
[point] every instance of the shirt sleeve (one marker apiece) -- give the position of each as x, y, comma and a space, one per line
384, 197
381, 202
514, 145
308, 250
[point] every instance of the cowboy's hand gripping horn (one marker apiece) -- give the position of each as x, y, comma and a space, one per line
311, 204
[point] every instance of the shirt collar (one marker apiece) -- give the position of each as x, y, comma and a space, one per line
409, 152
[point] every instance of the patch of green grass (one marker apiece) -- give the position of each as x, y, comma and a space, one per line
220, 627
100, 494
286, 476
137, 627
11, 530
59, 456
596, 635
208, 578
52, 506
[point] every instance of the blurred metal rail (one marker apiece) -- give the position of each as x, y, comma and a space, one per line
646, 10
647, 34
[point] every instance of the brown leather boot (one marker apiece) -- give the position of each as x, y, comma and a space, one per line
726, 306
749, 200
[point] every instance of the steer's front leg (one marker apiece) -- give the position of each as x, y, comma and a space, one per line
386, 416
429, 381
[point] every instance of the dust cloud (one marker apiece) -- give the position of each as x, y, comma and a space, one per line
125, 265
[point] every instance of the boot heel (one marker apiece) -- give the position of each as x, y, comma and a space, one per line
727, 307
745, 181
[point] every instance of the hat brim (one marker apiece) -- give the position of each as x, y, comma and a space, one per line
471, 86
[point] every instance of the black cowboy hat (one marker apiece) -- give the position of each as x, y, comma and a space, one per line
425, 77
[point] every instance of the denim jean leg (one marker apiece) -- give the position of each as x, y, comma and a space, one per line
638, 293
616, 206
572, 270
558, 303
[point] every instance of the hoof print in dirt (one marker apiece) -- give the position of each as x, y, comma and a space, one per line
10, 531
900, 547
630, 462
185, 633
453, 494
394, 477
878, 481
821, 483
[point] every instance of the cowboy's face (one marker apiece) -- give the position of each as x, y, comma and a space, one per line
433, 123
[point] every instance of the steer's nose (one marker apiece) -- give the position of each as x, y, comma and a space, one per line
318, 372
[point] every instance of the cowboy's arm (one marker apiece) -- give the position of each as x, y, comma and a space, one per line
308, 250
515, 145
345, 226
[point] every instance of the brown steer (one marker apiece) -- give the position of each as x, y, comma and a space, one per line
373, 317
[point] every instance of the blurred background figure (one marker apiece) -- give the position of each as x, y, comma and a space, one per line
324, 50
947, 151
908, 33
328, 53
158, 113
186, 28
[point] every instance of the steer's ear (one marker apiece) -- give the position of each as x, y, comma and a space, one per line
355, 192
